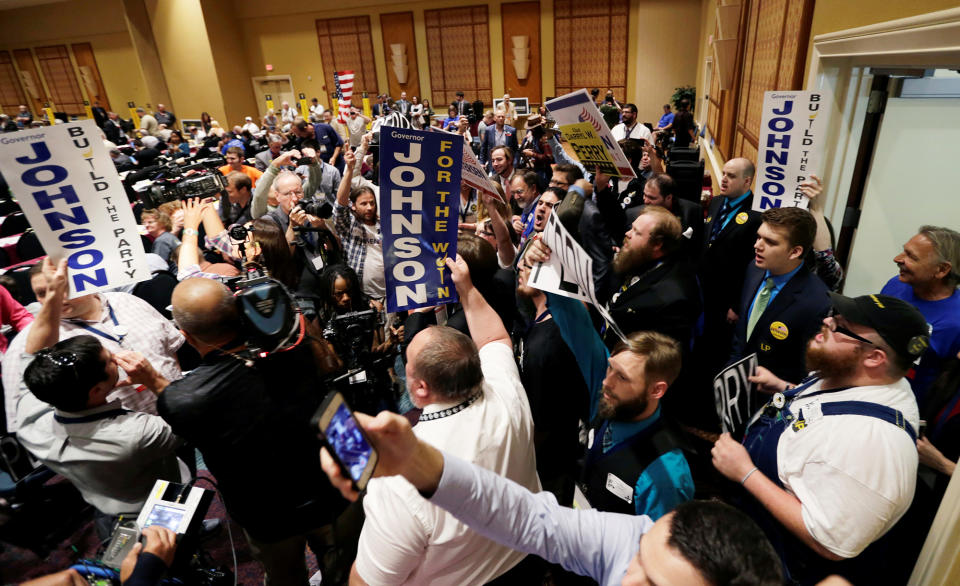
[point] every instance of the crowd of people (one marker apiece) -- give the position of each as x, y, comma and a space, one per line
545, 443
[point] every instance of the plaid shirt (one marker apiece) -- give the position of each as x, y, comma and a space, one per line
353, 236
148, 333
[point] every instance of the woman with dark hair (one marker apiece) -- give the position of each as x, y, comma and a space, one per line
205, 120
341, 292
272, 252
176, 146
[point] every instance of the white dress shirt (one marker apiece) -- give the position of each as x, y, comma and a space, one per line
407, 540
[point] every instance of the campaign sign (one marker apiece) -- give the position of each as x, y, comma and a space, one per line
793, 131
419, 198
69, 189
473, 173
732, 393
578, 107
569, 272
589, 148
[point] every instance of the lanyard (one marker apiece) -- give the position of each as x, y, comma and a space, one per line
119, 331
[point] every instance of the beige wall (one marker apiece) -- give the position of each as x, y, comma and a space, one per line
226, 42
663, 54
836, 15
83, 21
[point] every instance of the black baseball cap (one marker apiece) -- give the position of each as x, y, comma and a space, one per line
900, 324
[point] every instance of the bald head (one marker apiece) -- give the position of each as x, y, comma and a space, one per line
737, 176
204, 309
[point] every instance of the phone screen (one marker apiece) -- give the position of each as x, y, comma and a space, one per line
168, 517
346, 439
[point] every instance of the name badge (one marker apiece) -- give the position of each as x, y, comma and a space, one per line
619, 488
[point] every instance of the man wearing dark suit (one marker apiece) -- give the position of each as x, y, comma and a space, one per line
658, 191
783, 303
402, 104
99, 114
382, 107
659, 289
591, 230
462, 106
729, 233
498, 135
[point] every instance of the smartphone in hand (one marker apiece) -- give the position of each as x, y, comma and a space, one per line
345, 440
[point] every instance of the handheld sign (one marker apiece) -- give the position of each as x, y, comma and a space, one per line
569, 272
69, 189
793, 132
576, 108
732, 393
419, 187
473, 173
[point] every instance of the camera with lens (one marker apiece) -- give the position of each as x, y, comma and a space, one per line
173, 181
318, 207
366, 383
268, 311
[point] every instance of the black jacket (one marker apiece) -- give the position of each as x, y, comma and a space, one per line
724, 262
665, 298
786, 325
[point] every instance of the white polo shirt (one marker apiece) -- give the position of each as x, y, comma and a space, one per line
854, 475
406, 539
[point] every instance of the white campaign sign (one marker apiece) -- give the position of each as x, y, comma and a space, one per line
577, 107
793, 132
69, 189
473, 173
569, 272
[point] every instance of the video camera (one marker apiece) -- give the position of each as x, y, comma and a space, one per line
172, 181
181, 509
366, 382
269, 314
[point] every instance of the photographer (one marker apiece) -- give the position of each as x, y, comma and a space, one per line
267, 190
341, 295
250, 420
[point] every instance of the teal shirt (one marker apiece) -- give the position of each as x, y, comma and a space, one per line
667, 481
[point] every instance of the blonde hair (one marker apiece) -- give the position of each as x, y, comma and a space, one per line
161, 218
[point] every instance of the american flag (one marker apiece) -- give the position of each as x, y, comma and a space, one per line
344, 82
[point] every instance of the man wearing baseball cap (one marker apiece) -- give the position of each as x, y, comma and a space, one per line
830, 465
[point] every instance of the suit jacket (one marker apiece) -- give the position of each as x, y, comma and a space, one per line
376, 109
691, 216
664, 299
723, 264
263, 159
403, 106
489, 142
598, 244
785, 326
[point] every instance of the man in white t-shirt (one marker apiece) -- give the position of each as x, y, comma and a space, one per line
832, 464
474, 407
630, 127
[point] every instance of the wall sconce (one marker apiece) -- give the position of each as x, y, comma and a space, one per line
89, 81
398, 52
521, 56
28, 84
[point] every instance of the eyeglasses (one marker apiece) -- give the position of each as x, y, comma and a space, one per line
61, 359
834, 326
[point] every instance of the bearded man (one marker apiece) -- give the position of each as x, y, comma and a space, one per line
659, 290
830, 464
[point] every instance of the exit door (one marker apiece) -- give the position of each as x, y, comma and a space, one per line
279, 89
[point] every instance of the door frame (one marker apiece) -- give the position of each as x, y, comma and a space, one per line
838, 62
256, 88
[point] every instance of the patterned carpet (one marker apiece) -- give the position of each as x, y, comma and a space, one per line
75, 539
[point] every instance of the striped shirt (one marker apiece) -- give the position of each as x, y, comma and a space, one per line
148, 333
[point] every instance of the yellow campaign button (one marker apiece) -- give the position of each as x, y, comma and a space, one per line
779, 330
742, 218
